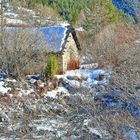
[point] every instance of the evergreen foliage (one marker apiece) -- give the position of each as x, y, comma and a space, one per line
68, 9
51, 67
100, 13
71, 9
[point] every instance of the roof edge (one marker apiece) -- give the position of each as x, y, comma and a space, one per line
71, 30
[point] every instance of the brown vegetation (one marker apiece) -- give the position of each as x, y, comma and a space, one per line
73, 64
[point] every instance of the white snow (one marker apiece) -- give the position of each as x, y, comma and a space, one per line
27, 10
87, 77
80, 29
53, 93
75, 83
77, 73
11, 80
65, 24
95, 131
85, 73
3, 89
14, 21
137, 41
42, 85
26, 92
51, 125
89, 66
32, 81
59, 76
63, 39
10, 14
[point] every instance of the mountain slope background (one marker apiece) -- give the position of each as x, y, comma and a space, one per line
70, 10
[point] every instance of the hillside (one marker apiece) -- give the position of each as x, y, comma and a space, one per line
69, 70
71, 10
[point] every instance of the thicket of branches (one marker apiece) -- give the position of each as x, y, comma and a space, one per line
22, 49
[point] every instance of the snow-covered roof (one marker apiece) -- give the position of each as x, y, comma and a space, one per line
54, 36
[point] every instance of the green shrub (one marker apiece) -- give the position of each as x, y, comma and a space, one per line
51, 67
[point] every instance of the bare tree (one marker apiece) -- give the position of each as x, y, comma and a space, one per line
22, 49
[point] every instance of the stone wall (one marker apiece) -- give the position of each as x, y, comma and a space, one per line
70, 52
59, 62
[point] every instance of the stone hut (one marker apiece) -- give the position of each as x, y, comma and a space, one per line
63, 42
60, 40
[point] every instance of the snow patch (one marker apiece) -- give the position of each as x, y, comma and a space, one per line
14, 21
137, 41
80, 29
65, 24
3, 89
10, 14
27, 10
53, 93
63, 39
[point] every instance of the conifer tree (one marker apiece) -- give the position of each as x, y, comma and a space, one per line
51, 67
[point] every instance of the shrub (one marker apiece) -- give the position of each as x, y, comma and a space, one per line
73, 64
51, 67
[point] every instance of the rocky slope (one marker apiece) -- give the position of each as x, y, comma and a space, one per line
68, 112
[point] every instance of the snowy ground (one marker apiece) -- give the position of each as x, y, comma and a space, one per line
3, 89
75, 78
86, 77
45, 117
